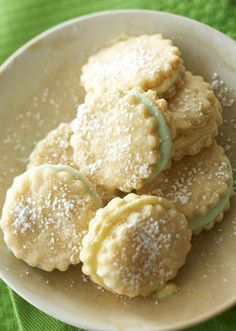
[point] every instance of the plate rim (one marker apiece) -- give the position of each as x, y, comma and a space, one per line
4, 66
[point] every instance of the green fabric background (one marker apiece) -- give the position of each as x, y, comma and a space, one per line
20, 20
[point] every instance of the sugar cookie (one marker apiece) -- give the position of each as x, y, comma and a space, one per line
199, 185
55, 148
135, 245
148, 61
46, 214
122, 139
197, 116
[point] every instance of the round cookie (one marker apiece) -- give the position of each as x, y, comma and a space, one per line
55, 148
199, 185
135, 245
196, 116
148, 61
46, 214
121, 139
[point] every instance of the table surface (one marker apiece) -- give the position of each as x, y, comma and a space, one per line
21, 20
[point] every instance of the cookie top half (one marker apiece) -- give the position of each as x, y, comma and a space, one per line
148, 61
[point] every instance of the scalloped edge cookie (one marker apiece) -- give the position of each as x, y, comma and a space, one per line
135, 245
55, 148
199, 185
196, 116
46, 214
147, 61
116, 138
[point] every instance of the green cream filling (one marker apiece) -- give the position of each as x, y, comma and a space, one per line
77, 175
163, 132
199, 221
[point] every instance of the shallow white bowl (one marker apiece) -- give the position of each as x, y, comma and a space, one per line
39, 88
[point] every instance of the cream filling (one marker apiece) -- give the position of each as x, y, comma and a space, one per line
198, 222
77, 175
167, 84
164, 133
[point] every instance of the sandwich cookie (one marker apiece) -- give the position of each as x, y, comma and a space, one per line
196, 116
46, 214
147, 61
200, 187
135, 245
122, 139
55, 148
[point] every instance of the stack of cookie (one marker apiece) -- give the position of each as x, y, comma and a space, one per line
124, 185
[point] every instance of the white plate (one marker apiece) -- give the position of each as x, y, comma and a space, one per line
39, 88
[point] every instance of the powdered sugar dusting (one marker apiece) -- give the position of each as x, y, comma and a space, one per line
108, 142
143, 257
138, 61
222, 91
55, 148
186, 183
51, 217
22, 213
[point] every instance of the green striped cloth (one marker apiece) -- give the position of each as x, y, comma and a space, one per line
20, 20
